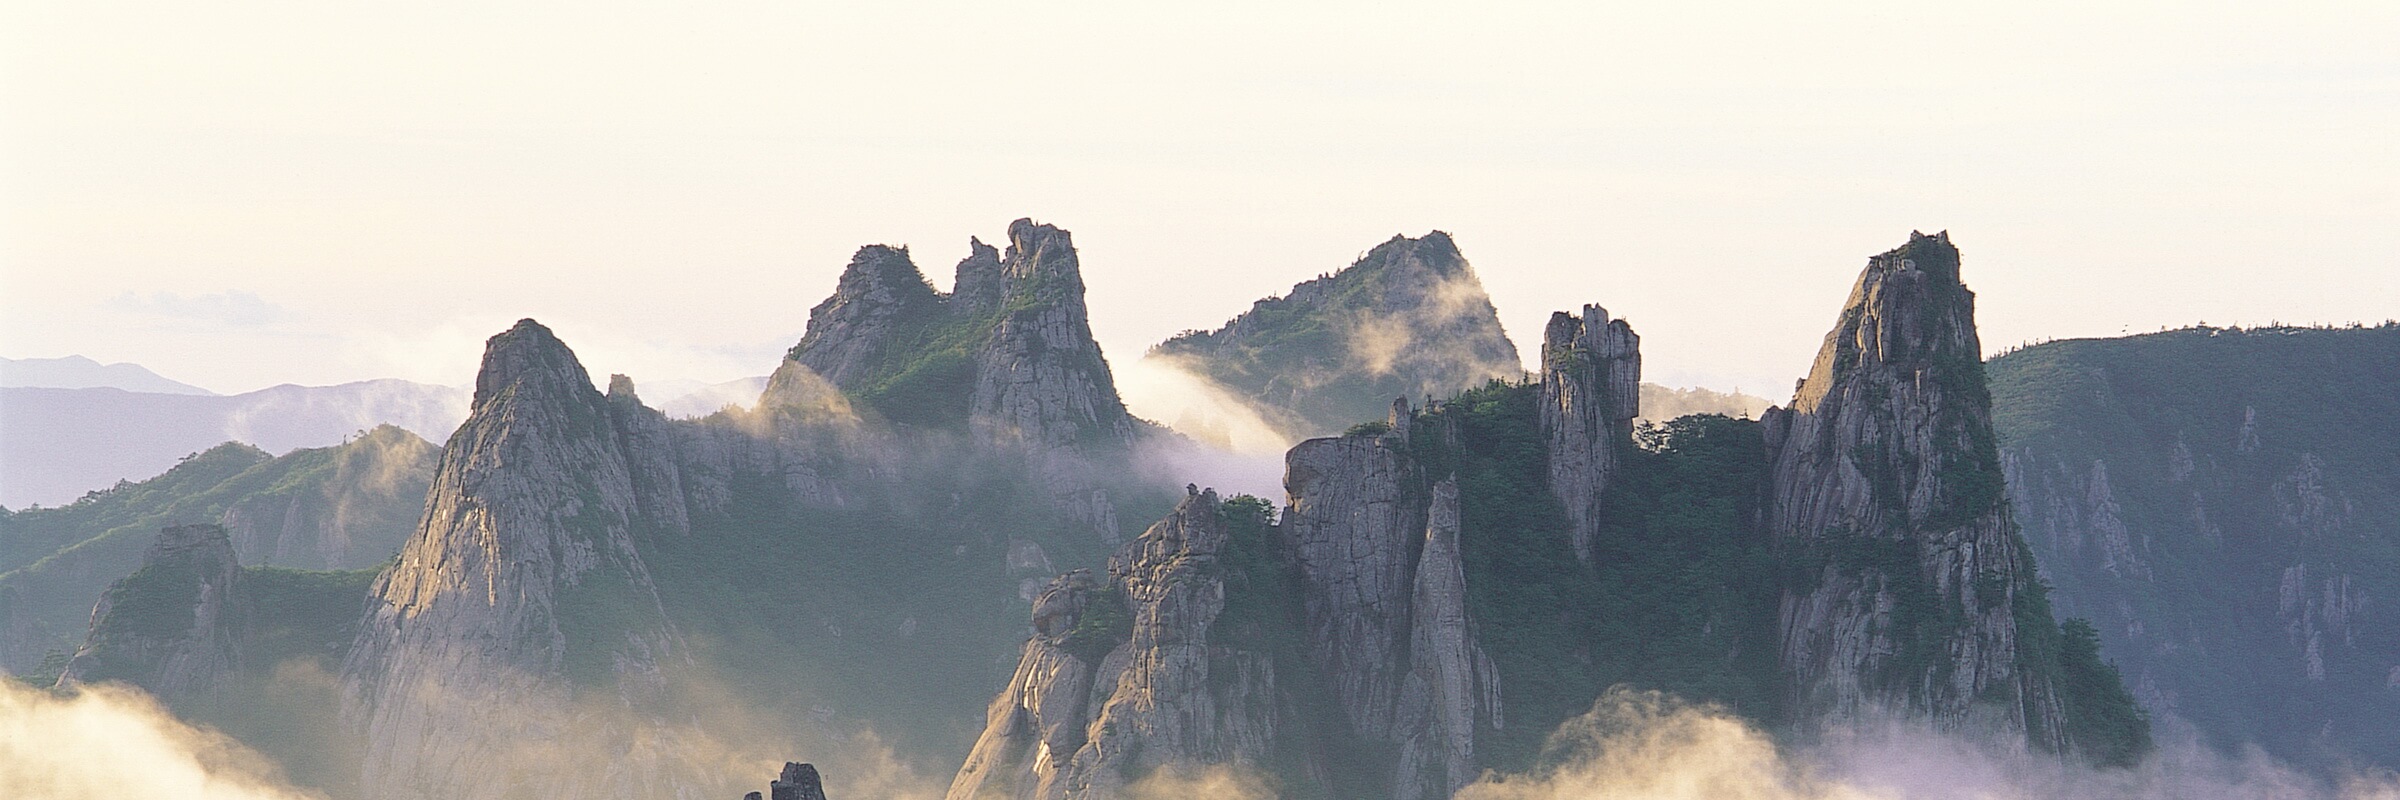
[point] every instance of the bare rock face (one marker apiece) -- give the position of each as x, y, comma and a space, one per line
1384, 597
1093, 707
1008, 357
1885, 472
1591, 392
798, 782
1040, 376
520, 613
1352, 662
878, 294
175, 626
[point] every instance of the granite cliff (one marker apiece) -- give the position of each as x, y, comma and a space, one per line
1444, 587
483, 638
175, 625
1310, 650
1913, 593
1008, 358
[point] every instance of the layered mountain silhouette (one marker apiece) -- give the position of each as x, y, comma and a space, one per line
936, 530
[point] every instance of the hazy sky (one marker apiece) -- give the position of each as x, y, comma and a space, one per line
242, 194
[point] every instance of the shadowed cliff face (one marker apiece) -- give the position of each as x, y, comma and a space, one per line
1591, 391
1886, 490
520, 596
2223, 504
174, 627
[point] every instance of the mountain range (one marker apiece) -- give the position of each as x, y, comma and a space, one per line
940, 505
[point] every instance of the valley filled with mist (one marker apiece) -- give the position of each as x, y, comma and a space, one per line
1357, 542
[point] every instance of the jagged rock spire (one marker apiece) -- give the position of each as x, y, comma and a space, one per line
1591, 391
1040, 377
849, 332
1885, 472
479, 639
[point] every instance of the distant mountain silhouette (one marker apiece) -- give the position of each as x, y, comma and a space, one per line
77, 372
58, 443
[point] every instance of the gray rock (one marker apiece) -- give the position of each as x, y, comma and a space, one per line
798, 782
470, 653
1591, 391
1888, 448
1381, 605
1068, 726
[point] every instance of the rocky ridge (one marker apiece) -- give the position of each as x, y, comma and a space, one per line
1008, 356
2220, 503
1408, 319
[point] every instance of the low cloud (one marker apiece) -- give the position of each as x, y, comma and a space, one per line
1210, 783
1651, 746
106, 742
1163, 389
1421, 341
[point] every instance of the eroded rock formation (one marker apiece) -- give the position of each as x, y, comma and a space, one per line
521, 610
1591, 391
1887, 480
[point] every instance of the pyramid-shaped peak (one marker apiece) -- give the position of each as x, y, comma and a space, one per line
527, 353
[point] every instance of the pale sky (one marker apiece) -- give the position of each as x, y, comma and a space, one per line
242, 194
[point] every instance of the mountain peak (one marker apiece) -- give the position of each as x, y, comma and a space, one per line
1908, 311
527, 354
1407, 319
1041, 262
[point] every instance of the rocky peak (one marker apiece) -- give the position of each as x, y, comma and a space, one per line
174, 626
527, 530
1591, 391
528, 357
1885, 468
1121, 678
620, 390
798, 782
981, 285
1041, 261
879, 294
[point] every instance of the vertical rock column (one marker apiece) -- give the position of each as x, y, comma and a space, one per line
1591, 391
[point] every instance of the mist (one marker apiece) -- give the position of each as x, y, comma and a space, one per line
1228, 443
1635, 744
1419, 341
107, 742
